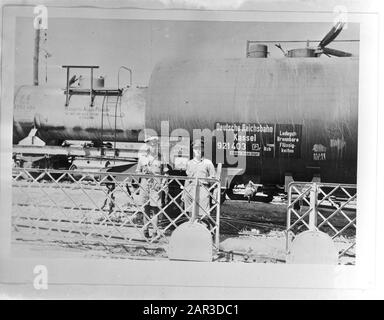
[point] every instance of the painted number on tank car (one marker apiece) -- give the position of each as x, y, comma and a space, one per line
230, 146
259, 140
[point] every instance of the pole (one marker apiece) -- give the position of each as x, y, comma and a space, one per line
67, 91
195, 207
313, 204
114, 143
102, 126
91, 90
218, 199
36, 56
288, 220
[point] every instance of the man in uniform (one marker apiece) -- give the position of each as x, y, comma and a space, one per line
150, 191
198, 167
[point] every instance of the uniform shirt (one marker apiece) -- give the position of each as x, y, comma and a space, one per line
148, 164
200, 169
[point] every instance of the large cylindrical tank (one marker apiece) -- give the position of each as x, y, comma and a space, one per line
319, 96
79, 120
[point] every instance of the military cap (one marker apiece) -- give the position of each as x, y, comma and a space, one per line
198, 144
151, 139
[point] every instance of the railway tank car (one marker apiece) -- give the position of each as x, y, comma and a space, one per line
288, 118
310, 103
44, 108
303, 111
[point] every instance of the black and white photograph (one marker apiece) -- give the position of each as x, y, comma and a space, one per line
189, 135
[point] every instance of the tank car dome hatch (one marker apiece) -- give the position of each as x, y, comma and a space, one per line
321, 47
302, 53
255, 50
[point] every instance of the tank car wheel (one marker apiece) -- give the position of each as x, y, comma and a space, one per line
268, 199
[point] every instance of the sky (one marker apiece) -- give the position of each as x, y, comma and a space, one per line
140, 44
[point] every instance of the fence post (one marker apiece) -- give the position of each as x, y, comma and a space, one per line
313, 204
195, 207
218, 199
288, 219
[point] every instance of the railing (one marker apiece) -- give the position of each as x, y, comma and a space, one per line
110, 208
326, 207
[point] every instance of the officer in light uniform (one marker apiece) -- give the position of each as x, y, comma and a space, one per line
150, 191
198, 167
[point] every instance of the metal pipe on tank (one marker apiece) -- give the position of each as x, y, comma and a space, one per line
117, 101
118, 76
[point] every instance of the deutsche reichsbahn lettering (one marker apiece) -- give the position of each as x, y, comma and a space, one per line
260, 140
244, 127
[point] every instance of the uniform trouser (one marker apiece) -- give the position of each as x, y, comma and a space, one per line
150, 198
110, 199
150, 192
203, 199
151, 214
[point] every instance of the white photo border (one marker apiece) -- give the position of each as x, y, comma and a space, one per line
138, 279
